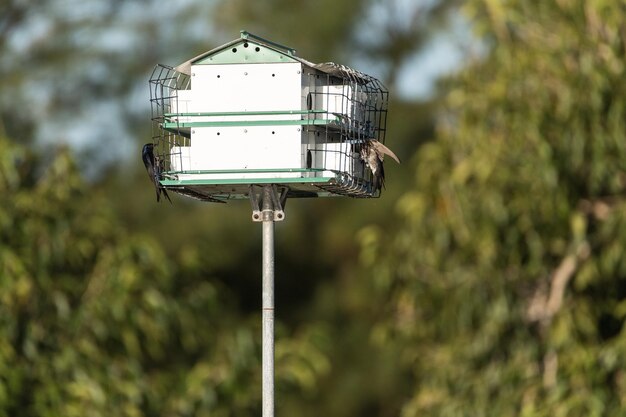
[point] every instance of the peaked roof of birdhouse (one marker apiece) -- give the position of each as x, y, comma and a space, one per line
285, 54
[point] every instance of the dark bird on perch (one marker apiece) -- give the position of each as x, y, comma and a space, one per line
147, 154
373, 152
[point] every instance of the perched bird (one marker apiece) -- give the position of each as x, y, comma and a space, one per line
373, 152
147, 154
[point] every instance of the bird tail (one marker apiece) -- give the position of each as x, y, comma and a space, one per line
166, 195
384, 150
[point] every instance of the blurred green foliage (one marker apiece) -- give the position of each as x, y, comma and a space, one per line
97, 321
506, 279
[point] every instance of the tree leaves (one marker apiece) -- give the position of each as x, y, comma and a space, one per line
94, 321
515, 199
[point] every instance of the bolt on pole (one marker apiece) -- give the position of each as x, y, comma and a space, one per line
268, 303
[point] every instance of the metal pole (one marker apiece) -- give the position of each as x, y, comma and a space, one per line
268, 304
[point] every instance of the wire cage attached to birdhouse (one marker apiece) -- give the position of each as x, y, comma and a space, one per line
252, 112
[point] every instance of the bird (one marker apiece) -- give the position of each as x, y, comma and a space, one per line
372, 153
147, 154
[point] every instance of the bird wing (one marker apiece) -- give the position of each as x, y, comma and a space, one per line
383, 150
148, 160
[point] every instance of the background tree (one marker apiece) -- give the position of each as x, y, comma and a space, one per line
96, 321
505, 278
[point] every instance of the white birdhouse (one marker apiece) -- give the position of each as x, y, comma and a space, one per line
251, 112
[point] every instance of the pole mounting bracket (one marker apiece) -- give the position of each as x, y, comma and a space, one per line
268, 202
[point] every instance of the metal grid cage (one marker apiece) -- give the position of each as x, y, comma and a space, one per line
165, 86
341, 110
353, 106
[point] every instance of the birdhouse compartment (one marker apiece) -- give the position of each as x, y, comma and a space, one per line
252, 112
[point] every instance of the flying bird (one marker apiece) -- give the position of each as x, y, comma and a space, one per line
373, 152
147, 154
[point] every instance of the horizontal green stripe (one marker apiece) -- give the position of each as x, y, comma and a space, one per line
171, 125
247, 171
232, 181
244, 113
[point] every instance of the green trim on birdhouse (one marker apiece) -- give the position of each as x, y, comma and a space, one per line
245, 52
244, 113
245, 171
170, 121
179, 125
236, 181
248, 35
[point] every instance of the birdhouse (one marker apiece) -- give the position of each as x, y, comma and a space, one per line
251, 112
